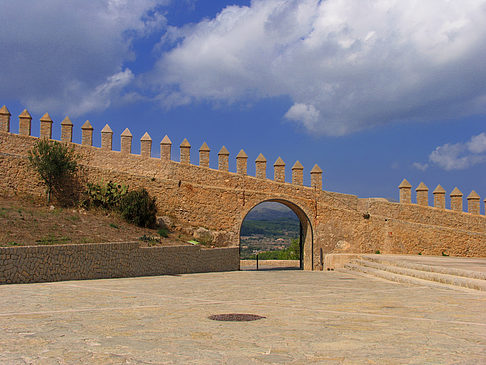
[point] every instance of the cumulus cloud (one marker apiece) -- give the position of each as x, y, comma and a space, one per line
68, 55
306, 114
457, 156
346, 65
477, 144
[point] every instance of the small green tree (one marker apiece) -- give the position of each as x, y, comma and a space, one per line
54, 162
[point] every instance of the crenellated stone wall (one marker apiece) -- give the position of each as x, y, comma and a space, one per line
218, 199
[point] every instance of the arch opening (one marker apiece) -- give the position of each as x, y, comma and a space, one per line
276, 230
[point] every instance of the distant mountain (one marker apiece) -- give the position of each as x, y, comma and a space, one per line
270, 211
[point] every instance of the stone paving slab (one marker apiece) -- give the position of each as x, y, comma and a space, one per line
311, 318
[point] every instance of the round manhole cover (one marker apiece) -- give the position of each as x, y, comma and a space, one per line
235, 317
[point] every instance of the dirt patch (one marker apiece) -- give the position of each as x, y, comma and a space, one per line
26, 223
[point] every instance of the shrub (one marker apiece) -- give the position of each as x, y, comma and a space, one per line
139, 207
107, 196
163, 232
55, 162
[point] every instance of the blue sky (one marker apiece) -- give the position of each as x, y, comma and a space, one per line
371, 91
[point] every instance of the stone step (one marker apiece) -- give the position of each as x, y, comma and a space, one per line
403, 279
430, 268
446, 279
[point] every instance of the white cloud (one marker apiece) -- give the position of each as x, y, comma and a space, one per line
353, 64
420, 166
457, 156
306, 114
477, 144
101, 96
67, 55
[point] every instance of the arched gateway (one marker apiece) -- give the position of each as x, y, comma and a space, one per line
212, 197
306, 231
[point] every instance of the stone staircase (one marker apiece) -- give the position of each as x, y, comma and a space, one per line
402, 271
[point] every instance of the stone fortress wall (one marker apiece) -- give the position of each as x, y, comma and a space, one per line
217, 199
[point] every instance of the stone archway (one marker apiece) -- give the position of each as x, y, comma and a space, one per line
306, 231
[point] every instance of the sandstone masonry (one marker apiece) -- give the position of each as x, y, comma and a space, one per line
218, 199
28, 264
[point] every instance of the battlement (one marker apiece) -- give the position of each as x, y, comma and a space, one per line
146, 149
195, 195
456, 198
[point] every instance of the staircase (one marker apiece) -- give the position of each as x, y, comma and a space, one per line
403, 271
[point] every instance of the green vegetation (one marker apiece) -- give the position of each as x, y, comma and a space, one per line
106, 196
139, 207
290, 253
377, 252
271, 228
54, 162
163, 232
3, 212
135, 206
73, 218
113, 225
52, 240
151, 241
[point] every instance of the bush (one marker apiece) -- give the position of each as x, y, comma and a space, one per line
54, 162
163, 232
107, 196
139, 207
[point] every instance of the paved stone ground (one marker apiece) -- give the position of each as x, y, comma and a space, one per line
311, 318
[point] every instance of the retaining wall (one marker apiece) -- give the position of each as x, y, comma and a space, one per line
30, 264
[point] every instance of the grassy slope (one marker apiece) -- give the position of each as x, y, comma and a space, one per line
24, 222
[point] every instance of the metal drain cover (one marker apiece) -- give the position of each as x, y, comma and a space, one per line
235, 317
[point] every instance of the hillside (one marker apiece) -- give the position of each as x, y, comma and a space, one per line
25, 222
268, 227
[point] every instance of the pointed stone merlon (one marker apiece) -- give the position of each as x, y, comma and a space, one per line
126, 141
456, 200
261, 167
185, 151
405, 192
46, 126
66, 130
4, 119
165, 148
204, 155
474, 203
439, 197
87, 134
146, 146
25, 122
106, 138
241, 163
422, 192
316, 177
223, 159
298, 174
279, 170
